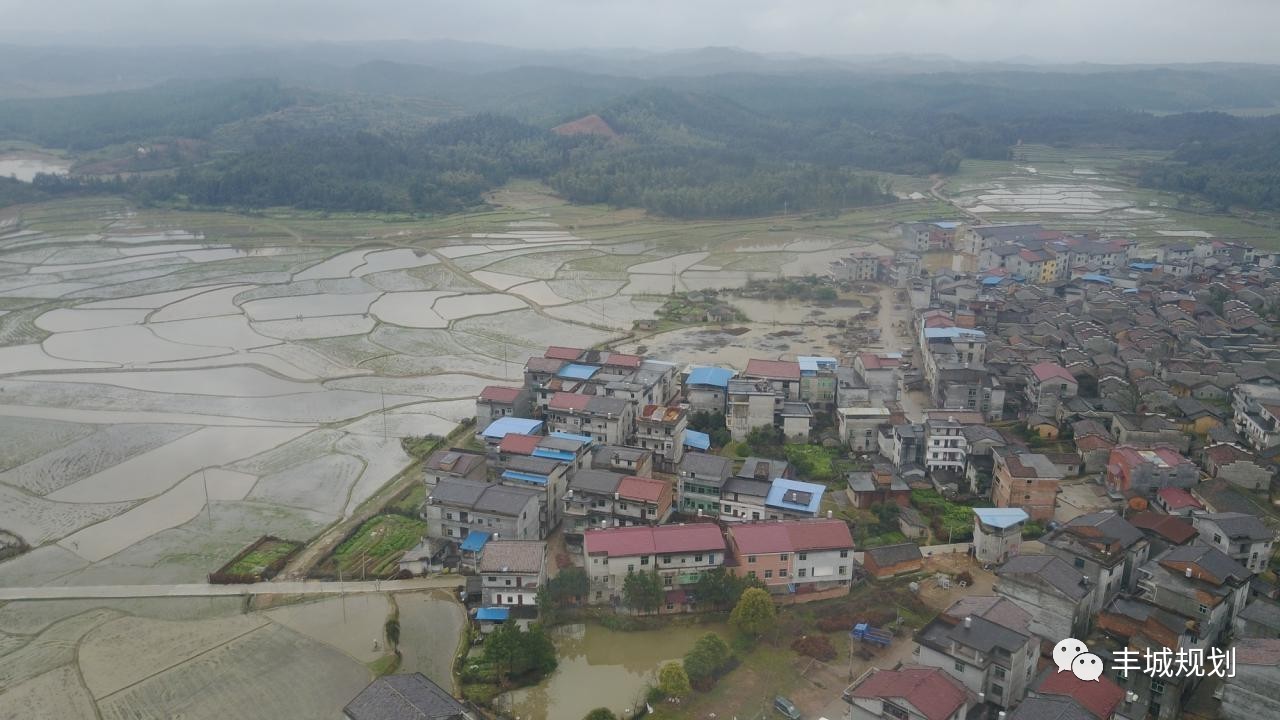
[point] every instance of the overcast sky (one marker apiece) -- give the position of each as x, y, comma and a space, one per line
1056, 30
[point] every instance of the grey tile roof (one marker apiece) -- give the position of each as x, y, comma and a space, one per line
596, 481
774, 469
404, 697
894, 554
862, 482
985, 636
1263, 612
705, 465
1050, 569
1106, 524
605, 452
476, 495
517, 556
1239, 525
1213, 560
1050, 707
530, 464
746, 486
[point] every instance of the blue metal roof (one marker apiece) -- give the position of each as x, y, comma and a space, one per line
697, 440
992, 280
564, 455
502, 427
493, 614
947, 225
1097, 277
781, 486
714, 376
475, 541
574, 371
524, 477
1142, 265
584, 439
810, 364
1001, 517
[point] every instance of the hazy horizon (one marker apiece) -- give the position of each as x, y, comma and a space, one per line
1051, 31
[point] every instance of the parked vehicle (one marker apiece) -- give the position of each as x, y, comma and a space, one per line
872, 635
787, 708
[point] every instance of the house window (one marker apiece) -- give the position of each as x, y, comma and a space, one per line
844, 553
1217, 538
448, 516
1000, 672
1079, 562
782, 572
894, 711
697, 558
666, 559
623, 506
997, 689
1204, 609
644, 560
842, 569
631, 567
493, 579
726, 508
783, 557
802, 556
768, 573
751, 558
508, 581
1157, 687
802, 572
666, 580
960, 667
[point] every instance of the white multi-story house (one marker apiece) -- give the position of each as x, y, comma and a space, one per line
751, 405
985, 641
678, 553
1256, 414
1242, 537
609, 420
511, 571
660, 429
945, 445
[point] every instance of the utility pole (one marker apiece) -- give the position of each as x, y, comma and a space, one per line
208, 510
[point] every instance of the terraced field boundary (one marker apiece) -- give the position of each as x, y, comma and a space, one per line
326, 542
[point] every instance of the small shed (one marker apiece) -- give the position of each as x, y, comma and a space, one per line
891, 560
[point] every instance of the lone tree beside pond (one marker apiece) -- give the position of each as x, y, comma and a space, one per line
642, 591
754, 615
517, 654
706, 660
673, 681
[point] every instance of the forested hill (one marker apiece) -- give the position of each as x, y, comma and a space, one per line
392, 136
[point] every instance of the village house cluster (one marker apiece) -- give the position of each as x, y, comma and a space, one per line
1112, 416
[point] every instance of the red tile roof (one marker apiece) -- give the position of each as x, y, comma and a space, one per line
1132, 457
644, 540
498, 393
623, 360
1225, 454
762, 538
872, 361
939, 322
537, 364
1100, 697
1177, 498
518, 444
931, 691
1170, 527
642, 489
661, 413
1089, 443
781, 369
559, 352
1049, 371
568, 401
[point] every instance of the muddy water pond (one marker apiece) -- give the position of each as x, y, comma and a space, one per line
599, 667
